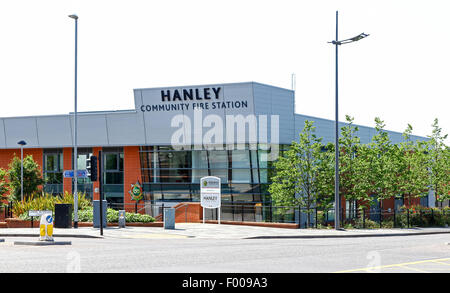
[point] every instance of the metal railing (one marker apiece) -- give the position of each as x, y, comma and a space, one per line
6, 210
318, 218
312, 218
136, 208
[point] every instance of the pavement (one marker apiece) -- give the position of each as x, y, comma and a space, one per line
214, 231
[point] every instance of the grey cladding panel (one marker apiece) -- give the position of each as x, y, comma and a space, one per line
325, 128
92, 130
125, 129
21, 128
2, 134
158, 123
54, 131
263, 99
275, 101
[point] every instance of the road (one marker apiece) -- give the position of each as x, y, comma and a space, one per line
167, 253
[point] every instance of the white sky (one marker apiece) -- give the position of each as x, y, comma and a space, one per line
400, 72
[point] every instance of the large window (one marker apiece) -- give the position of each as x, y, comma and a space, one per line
113, 176
53, 171
84, 184
169, 174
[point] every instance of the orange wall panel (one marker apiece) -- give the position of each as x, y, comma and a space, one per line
67, 165
96, 184
132, 173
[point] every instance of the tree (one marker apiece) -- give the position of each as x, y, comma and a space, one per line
32, 177
325, 177
353, 172
3, 186
439, 163
413, 173
384, 161
295, 182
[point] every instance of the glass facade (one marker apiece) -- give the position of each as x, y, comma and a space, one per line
174, 175
112, 169
84, 184
170, 175
53, 171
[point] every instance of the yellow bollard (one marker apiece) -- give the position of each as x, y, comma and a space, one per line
46, 227
50, 230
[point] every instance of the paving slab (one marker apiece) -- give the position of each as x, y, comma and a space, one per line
222, 231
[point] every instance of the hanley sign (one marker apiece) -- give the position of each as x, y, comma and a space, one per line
210, 196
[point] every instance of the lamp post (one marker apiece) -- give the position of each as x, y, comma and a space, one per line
21, 143
336, 124
75, 154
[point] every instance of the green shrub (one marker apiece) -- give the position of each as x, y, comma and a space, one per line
367, 224
348, 226
387, 224
423, 217
321, 226
47, 201
132, 218
112, 216
85, 215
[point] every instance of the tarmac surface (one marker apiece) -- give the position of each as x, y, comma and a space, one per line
215, 231
222, 248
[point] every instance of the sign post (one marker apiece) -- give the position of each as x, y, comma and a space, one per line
100, 183
35, 213
210, 196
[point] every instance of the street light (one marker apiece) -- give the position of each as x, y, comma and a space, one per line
21, 143
75, 155
336, 143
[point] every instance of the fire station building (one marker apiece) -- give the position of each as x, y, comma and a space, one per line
173, 137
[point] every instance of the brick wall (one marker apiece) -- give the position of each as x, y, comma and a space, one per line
6, 156
67, 165
132, 174
96, 184
190, 212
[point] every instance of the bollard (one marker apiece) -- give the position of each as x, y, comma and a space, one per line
299, 217
316, 217
381, 219
364, 218
46, 227
395, 220
122, 219
169, 218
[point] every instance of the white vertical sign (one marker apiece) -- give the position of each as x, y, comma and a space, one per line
210, 196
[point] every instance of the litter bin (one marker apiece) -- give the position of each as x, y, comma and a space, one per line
169, 218
97, 214
63, 215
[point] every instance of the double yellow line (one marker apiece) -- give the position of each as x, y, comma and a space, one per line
402, 265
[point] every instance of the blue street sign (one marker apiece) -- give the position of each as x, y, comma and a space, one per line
80, 173
68, 174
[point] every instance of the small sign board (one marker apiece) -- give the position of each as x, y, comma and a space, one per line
210, 192
34, 213
136, 191
80, 173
